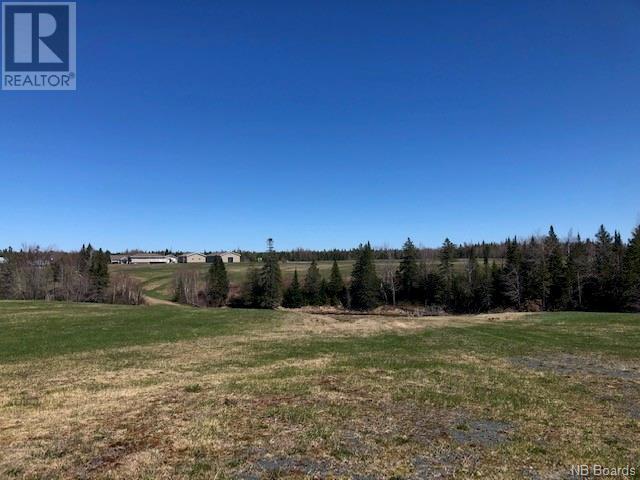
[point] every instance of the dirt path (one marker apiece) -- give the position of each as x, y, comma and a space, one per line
158, 301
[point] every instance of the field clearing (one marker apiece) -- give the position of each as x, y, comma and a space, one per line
100, 391
158, 279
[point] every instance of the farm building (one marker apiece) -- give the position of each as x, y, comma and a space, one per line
149, 258
227, 257
116, 259
143, 258
192, 258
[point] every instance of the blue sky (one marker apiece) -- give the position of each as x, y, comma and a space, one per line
213, 125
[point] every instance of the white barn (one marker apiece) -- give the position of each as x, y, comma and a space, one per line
143, 259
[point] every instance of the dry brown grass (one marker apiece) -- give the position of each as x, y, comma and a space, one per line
354, 324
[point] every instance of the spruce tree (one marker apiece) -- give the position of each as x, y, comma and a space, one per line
365, 285
252, 288
617, 287
432, 288
335, 289
485, 280
601, 281
293, 297
84, 260
312, 285
408, 273
556, 267
324, 292
631, 271
447, 253
98, 275
270, 282
474, 282
217, 283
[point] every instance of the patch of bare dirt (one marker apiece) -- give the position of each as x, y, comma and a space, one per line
359, 324
566, 364
486, 433
275, 466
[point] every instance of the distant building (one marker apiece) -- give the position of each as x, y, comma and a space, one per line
115, 259
192, 258
143, 259
3, 260
227, 257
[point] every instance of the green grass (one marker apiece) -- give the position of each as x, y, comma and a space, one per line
616, 335
42, 330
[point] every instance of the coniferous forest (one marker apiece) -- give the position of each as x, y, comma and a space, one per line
534, 274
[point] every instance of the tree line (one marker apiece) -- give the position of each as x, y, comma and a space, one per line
36, 274
383, 252
538, 273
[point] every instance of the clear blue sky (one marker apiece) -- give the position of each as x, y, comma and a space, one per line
209, 125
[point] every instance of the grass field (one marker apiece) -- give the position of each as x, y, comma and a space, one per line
158, 279
98, 391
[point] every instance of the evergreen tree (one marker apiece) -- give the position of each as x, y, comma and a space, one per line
432, 287
252, 289
324, 292
365, 285
485, 255
632, 272
98, 276
270, 282
312, 285
474, 283
601, 280
485, 280
336, 291
555, 264
618, 288
84, 259
217, 283
408, 273
293, 297
447, 255
461, 299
